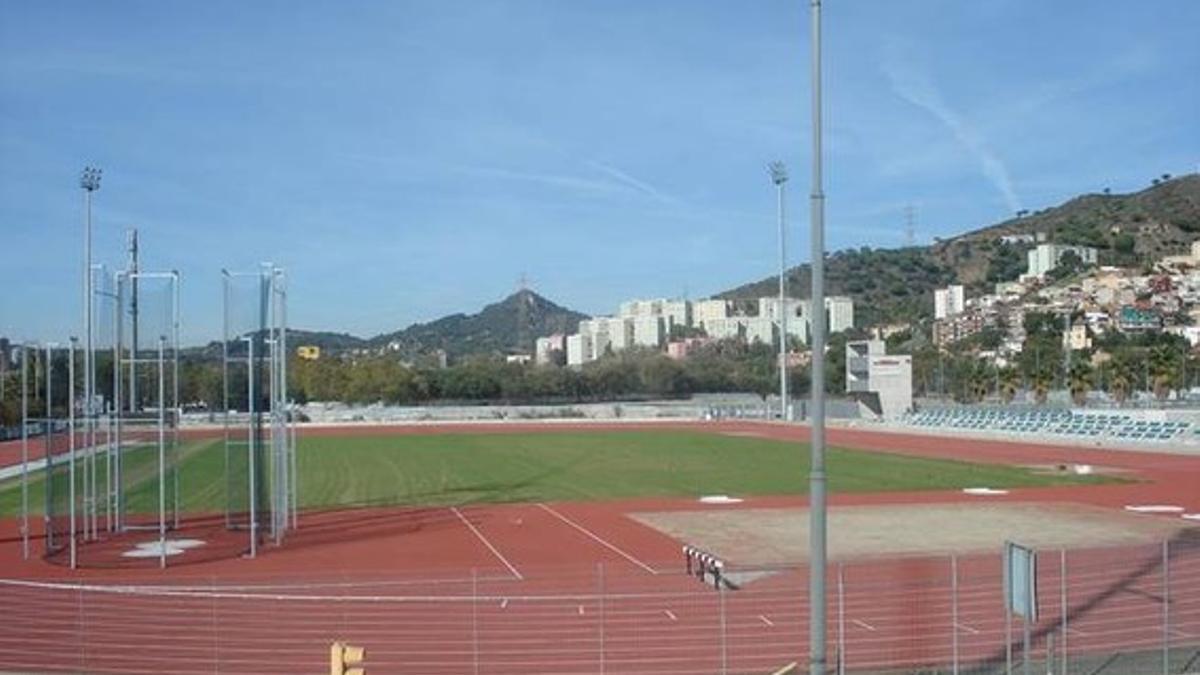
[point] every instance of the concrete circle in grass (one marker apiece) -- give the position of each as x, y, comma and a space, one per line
720, 499
1154, 508
156, 548
983, 491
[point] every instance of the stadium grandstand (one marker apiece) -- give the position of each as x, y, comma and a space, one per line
1118, 426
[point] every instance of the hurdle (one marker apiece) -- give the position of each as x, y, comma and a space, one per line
703, 564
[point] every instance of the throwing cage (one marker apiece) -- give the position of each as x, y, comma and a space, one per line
260, 457
109, 418
146, 408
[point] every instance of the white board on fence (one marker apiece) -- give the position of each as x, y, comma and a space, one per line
1020, 581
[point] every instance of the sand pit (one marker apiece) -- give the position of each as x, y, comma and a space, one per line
768, 536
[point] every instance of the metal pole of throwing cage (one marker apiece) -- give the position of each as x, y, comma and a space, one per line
176, 406
71, 446
119, 395
162, 454
48, 437
25, 452
250, 411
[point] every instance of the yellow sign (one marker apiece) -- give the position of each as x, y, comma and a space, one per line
345, 659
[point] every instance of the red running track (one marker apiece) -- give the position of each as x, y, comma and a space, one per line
581, 588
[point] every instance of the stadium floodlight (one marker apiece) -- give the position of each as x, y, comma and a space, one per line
779, 177
89, 181
816, 493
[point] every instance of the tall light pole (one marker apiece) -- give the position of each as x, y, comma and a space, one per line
816, 489
89, 180
779, 177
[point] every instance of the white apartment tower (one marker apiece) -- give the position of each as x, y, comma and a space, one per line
948, 301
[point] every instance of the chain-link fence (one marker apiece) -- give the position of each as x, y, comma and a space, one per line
1128, 610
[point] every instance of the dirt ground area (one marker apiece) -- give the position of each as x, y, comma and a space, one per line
778, 535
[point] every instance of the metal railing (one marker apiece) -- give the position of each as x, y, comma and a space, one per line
1128, 610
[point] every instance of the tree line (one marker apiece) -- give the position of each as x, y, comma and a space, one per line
1155, 362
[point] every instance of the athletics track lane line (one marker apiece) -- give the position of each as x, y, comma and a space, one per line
487, 543
599, 540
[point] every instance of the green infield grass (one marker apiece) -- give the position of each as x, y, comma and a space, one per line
444, 469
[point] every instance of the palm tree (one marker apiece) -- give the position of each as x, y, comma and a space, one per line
1042, 380
1010, 382
1120, 379
1080, 381
1164, 371
978, 380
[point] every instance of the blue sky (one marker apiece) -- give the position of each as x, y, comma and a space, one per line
405, 160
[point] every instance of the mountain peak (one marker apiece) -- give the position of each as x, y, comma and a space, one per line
509, 325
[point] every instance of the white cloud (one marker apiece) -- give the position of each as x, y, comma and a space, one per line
915, 86
628, 180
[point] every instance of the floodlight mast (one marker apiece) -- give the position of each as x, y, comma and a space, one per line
779, 177
816, 494
89, 181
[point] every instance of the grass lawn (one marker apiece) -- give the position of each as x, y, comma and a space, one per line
589, 465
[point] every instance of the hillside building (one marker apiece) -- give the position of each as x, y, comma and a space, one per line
620, 333
1076, 337
948, 301
960, 327
681, 349
306, 352
676, 313
841, 313
723, 328
1135, 320
579, 349
1045, 257
760, 329
649, 331
550, 350
704, 311
793, 308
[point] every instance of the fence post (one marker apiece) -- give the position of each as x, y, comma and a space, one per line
1007, 619
1166, 603
216, 624
80, 622
600, 583
841, 652
954, 612
724, 647
1049, 653
1062, 587
475, 619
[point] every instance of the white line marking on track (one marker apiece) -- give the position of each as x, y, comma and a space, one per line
765, 620
504, 603
862, 624
670, 614
964, 627
598, 539
581, 610
487, 543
